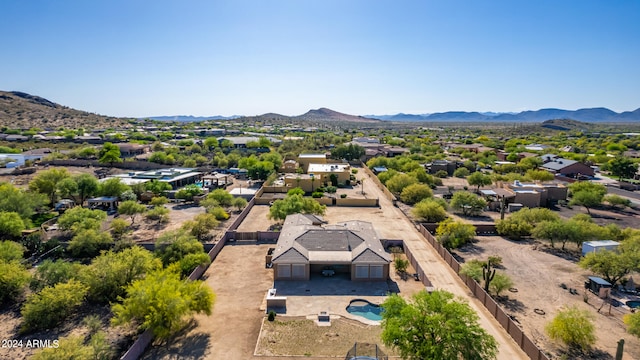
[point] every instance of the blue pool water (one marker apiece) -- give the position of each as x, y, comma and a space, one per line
633, 303
365, 309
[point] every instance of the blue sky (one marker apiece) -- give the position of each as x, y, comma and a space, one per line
143, 58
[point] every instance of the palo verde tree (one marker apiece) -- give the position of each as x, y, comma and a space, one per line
131, 208
52, 305
415, 193
430, 210
633, 323
418, 329
573, 327
452, 234
162, 301
109, 274
294, 203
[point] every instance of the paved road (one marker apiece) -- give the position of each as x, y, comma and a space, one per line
629, 194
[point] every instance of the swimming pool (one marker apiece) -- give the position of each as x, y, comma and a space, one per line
633, 303
365, 309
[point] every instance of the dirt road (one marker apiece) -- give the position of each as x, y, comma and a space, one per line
392, 224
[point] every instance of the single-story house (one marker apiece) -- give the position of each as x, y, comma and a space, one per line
308, 246
132, 149
176, 177
568, 168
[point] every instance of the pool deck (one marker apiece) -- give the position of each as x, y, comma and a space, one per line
333, 295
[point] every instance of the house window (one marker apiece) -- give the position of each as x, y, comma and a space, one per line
375, 271
362, 271
284, 271
298, 270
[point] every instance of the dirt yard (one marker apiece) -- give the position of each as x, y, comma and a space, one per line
538, 276
297, 336
240, 280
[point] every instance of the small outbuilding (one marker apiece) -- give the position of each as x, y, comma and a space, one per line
597, 285
599, 245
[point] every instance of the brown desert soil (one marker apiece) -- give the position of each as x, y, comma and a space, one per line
538, 274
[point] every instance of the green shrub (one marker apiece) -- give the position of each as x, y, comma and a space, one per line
317, 194
272, 315
441, 174
343, 196
461, 172
13, 278
219, 213
52, 305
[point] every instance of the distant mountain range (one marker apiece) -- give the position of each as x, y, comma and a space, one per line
585, 115
591, 115
319, 115
189, 118
22, 110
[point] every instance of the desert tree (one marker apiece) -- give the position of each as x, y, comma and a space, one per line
452, 234
623, 167
416, 329
415, 193
52, 305
110, 154
573, 327
429, 210
467, 203
162, 301
587, 194
47, 181
479, 179
131, 208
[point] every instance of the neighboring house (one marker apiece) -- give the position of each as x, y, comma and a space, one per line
308, 247
531, 195
475, 148
323, 172
566, 167
444, 165
128, 150
308, 183
289, 167
537, 147
502, 155
176, 177
89, 139
240, 142
632, 154
16, 138
393, 151
305, 159
365, 140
